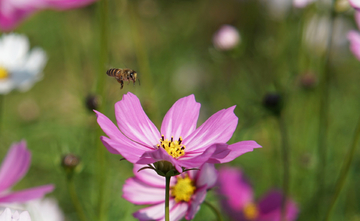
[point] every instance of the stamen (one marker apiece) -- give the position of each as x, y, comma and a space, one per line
183, 189
172, 147
4, 74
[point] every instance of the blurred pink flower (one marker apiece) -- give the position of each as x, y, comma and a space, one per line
13, 168
238, 199
187, 192
181, 143
355, 4
6, 215
12, 12
354, 38
226, 38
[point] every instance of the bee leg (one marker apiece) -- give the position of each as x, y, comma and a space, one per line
121, 83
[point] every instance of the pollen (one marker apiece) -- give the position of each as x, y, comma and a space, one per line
250, 211
3, 73
183, 189
174, 148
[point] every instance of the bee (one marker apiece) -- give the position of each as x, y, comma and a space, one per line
122, 75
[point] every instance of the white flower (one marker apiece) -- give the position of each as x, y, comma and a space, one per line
6, 215
19, 67
46, 209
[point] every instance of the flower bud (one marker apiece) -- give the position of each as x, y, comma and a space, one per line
70, 161
92, 102
273, 103
308, 80
165, 168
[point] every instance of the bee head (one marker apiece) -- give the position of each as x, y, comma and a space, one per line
133, 76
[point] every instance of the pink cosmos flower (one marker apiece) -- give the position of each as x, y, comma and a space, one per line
238, 199
354, 38
12, 12
13, 168
180, 142
187, 192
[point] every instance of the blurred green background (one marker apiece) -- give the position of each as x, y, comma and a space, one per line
169, 44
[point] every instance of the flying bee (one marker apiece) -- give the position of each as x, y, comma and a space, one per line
122, 75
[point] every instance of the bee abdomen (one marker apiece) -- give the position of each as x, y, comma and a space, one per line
112, 72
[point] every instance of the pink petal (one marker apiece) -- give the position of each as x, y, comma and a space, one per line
236, 150
178, 211
130, 153
235, 189
270, 207
156, 212
354, 38
26, 195
217, 129
355, 4
158, 155
357, 18
149, 176
15, 165
181, 119
109, 127
114, 133
188, 161
134, 123
11, 16
13, 12
207, 176
196, 201
137, 192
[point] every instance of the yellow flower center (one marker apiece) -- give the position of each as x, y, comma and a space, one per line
3, 73
183, 189
174, 148
250, 211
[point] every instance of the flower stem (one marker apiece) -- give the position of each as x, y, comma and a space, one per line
323, 118
344, 171
214, 209
167, 198
74, 198
286, 165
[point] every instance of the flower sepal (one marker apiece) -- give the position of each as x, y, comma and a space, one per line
165, 168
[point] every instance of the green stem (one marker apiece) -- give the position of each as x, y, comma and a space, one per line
167, 198
344, 171
286, 165
1, 111
74, 198
100, 90
323, 118
214, 209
